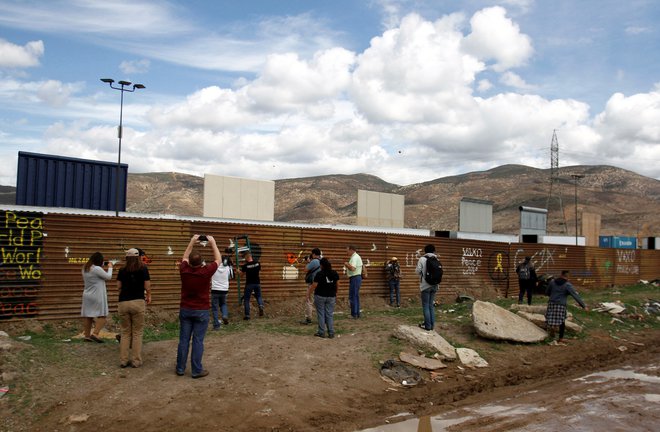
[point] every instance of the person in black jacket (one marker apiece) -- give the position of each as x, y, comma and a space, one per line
325, 287
526, 279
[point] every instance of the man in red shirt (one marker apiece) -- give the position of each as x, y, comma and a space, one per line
194, 307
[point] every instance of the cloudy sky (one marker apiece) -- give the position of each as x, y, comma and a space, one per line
407, 90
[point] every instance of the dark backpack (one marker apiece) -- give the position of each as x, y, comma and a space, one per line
524, 273
433, 275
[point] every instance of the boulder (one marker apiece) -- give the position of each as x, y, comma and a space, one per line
428, 340
493, 322
539, 309
539, 320
471, 358
421, 362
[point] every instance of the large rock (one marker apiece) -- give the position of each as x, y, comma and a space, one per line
421, 361
539, 320
426, 340
539, 309
471, 358
493, 322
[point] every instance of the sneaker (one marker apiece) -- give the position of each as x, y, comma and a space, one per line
331, 336
246, 318
179, 373
261, 311
216, 328
225, 321
96, 339
321, 335
422, 326
118, 337
124, 365
202, 374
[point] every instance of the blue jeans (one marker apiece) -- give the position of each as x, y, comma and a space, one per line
192, 323
249, 289
394, 289
219, 299
428, 298
325, 307
354, 284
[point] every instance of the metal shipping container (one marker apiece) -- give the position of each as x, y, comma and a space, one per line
57, 181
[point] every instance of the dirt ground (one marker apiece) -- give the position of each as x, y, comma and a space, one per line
264, 378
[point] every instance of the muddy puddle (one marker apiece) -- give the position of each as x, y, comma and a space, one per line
622, 399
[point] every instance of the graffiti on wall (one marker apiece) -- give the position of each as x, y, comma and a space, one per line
497, 267
471, 260
625, 261
21, 239
543, 258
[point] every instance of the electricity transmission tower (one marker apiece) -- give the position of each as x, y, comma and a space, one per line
555, 186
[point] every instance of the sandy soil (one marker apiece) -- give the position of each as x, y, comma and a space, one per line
264, 379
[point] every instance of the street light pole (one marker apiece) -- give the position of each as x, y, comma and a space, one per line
124, 88
576, 177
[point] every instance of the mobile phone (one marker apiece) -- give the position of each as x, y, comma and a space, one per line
202, 238
105, 263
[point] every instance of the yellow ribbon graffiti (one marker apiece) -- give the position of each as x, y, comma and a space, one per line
499, 264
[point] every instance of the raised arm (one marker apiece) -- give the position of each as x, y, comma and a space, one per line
188, 250
217, 257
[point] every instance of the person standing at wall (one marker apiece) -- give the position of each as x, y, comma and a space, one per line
134, 285
393, 276
194, 306
429, 271
555, 316
94, 309
526, 279
313, 267
324, 287
354, 273
219, 290
251, 270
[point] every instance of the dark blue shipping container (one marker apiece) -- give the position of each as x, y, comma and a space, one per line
617, 242
57, 181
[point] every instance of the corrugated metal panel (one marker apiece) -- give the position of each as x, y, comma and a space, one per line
42, 257
56, 181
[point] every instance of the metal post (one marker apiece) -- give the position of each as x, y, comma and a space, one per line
120, 130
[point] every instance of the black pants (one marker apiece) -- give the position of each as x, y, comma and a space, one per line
526, 286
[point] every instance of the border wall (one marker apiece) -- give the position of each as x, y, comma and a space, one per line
43, 253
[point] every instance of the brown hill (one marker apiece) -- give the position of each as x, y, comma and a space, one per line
629, 204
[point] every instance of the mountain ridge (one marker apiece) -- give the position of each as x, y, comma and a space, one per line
628, 203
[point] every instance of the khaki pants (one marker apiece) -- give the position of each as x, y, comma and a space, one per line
131, 319
309, 307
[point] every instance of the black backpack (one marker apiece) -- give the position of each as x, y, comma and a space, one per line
433, 275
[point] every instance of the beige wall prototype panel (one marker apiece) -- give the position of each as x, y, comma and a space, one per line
239, 198
475, 216
379, 209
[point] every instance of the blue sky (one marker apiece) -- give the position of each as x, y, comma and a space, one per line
405, 90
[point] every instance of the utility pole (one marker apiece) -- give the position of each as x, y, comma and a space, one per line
554, 180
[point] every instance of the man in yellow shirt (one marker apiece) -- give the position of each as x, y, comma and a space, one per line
354, 273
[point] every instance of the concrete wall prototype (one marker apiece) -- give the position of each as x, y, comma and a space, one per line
377, 209
591, 228
239, 198
41, 255
475, 216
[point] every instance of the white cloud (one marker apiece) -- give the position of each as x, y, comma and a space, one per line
135, 66
496, 37
635, 30
16, 56
514, 80
484, 85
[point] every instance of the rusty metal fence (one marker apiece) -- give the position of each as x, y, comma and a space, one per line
43, 254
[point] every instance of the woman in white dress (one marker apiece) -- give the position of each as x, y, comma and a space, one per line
95, 296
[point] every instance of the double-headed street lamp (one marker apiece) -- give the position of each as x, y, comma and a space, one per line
125, 87
576, 178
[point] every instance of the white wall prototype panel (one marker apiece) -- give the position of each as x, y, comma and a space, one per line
238, 198
380, 209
